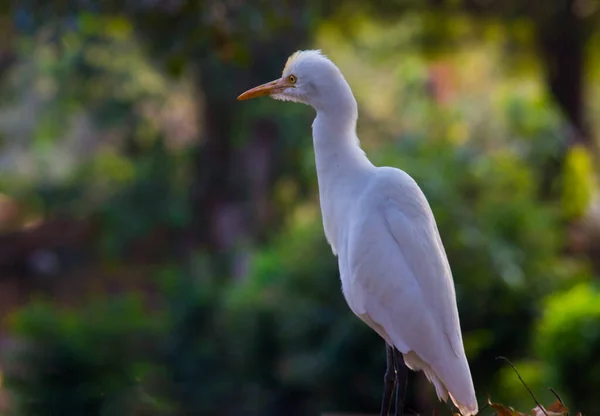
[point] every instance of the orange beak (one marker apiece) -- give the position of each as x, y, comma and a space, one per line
269, 88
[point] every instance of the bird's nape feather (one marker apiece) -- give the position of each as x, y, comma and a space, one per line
299, 55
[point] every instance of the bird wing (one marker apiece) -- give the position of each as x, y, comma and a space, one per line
397, 258
400, 282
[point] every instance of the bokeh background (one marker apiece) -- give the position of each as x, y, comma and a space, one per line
161, 247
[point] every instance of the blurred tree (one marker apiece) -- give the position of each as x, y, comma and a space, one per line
219, 42
562, 30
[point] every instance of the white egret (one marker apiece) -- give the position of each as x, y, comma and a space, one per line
393, 267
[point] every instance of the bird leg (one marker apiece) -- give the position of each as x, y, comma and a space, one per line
388, 380
401, 380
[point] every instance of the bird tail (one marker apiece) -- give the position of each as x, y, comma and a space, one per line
457, 375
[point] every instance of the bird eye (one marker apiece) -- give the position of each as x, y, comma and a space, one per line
292, 79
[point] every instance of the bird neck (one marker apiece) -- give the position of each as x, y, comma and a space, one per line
335, 141
334, 129
342, 169
338, 155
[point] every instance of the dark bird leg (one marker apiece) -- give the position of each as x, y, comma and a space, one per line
401, 371
388, 380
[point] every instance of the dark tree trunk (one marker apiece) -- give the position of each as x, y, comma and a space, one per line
562, 40
7, 55
210, 190
562, 37
231, 192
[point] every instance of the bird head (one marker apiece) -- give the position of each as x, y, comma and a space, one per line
308, 77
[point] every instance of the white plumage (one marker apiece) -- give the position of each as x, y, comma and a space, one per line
394, 270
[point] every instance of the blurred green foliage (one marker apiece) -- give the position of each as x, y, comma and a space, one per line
90, 361
568, 337
578, 182
115, 137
